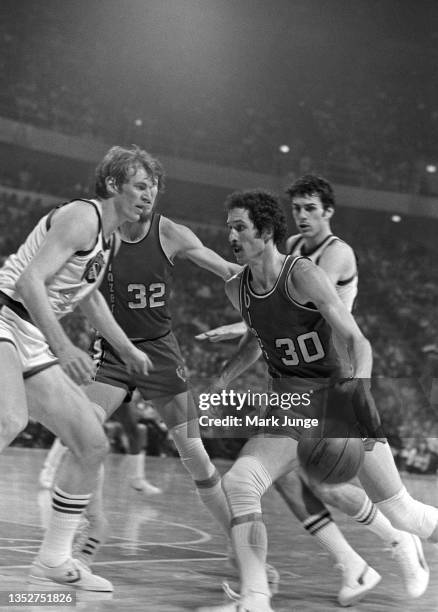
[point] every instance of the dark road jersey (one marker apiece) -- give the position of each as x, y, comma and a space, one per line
295, 340
137, 286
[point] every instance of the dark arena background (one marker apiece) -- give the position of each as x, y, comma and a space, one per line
232, 94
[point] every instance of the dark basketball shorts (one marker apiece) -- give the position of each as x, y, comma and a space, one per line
167, 377
342, 409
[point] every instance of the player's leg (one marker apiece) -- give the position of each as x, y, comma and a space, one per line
13, 405
380, 478
262, 461
357, 577
94, 529
51, 464
136, 458
180, 415
405, 548
74, 419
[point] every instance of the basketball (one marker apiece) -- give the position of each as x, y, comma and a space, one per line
331, 460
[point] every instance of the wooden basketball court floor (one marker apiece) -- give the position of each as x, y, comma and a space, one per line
167, 555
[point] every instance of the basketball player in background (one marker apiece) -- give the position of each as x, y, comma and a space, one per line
280, 296
58, 267
313, 204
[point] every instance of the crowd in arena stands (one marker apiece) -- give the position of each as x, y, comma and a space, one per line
374, 135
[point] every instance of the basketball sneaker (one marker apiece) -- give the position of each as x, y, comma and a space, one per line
253, 602
409, 555
355, 585
143, 486
71, 573
91, 534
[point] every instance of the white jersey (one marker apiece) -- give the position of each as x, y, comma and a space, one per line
77, 277
346, 288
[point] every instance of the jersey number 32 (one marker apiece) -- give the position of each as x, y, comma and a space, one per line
143, 296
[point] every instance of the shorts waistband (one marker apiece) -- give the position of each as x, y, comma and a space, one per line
138, 340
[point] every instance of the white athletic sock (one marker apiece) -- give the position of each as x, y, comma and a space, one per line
213, 497
250, 543
66, 513
410, 515
370, 516
55, 454
328, 534
136, 466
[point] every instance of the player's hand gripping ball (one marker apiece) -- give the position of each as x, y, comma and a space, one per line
331, 460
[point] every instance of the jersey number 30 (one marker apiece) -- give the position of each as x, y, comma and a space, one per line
146, 296
309, 346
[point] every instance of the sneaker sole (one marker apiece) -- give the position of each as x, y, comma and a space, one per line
53, 584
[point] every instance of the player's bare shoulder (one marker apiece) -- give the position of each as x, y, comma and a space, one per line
291, 241
342, 248
339, 255
174, 237
303, 273
77, 221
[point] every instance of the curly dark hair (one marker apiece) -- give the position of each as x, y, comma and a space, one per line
310, 184
118, 163
264, 210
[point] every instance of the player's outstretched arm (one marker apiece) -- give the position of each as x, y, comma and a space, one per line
188, 246
74, 228
312, 284
246, 354
224, 332
97, 311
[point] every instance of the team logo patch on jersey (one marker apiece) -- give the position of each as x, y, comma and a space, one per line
181, 373
94, 268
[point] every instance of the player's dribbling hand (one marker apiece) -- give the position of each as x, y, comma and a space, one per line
77, 364
137, 362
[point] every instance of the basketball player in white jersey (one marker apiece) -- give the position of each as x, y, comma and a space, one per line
58, 267
313, 204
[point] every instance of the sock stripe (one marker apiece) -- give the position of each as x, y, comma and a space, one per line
71, 496
79, 507
316, 522
247, 518
371, 516
367, 513
67, 510
209, 482
69, 505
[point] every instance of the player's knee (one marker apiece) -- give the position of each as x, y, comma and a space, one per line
96, 453
92, 447
244, 484
191, 450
